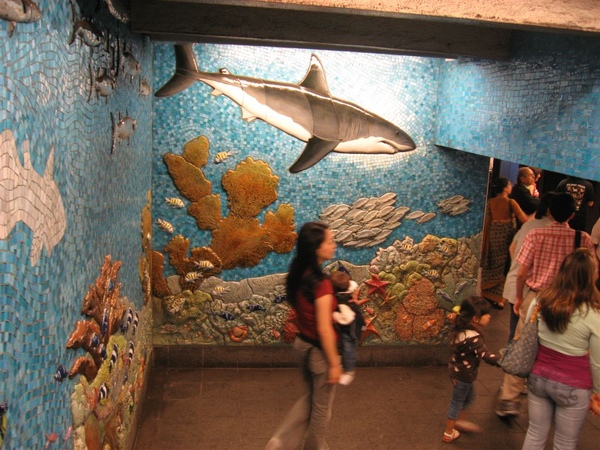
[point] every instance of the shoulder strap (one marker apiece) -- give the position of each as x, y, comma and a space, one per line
577, 239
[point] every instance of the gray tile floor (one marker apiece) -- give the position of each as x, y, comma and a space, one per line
384, 408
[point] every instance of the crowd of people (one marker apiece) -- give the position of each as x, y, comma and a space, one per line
535, 252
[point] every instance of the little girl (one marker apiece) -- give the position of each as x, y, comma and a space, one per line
468, 349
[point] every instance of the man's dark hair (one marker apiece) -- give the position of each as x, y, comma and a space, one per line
543, 205
562, 206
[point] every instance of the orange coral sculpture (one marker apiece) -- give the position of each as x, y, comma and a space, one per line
196, 151
250, 187
290, 328
240, 242
160, 287
419, 318
280, 225
104, 298
188, 178
207, 212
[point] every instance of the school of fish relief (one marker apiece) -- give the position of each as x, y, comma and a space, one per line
408, 289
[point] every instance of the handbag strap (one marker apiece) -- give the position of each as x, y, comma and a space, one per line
534, 313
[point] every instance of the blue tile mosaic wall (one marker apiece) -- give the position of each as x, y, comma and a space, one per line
401, 89
44, 89
540, 108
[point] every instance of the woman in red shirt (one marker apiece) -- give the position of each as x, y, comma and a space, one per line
310, 293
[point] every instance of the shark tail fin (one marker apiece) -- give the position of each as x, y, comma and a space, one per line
182, 79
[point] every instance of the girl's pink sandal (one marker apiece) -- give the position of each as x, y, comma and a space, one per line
451, 437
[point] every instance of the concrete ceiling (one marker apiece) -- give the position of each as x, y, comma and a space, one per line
449, 28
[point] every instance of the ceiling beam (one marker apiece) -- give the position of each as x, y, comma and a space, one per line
315, 28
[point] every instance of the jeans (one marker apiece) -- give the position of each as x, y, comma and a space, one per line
348, 351
463, 395
309, 417
549, 400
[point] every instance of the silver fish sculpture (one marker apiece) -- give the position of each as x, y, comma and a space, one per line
415, 215
306, 110
174, 202
426, 217
123, 129
460, 209
130, 65
145, 88
165, 226
19, 11
119, 10
103, 84
360, 202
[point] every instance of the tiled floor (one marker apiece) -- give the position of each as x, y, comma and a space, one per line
384, 408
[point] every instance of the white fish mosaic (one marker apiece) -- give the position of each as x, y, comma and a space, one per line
455, 205
369, 220
33, 199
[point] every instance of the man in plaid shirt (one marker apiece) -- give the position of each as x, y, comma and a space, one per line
541, 255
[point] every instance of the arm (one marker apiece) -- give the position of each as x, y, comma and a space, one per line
482, 350
521, 277
327, 337
511, 249
517, 211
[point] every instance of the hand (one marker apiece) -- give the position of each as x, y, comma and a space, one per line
333, 374
595, 404
517, 306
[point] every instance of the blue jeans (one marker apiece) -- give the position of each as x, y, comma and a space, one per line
463, 395
549, 400
348, 351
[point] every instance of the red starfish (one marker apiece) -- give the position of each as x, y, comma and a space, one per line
369, 329
376, 285
388, 298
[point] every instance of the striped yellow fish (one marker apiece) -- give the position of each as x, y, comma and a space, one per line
175, 202
222, 156
164, 225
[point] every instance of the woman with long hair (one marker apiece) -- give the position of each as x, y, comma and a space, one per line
565, 380
310, 293
498, 230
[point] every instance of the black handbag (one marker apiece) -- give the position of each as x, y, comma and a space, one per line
521, 351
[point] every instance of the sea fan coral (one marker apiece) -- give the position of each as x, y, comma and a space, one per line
250, 187
188, 178
240, 242
207, 212
159, 283
196, 151
280, 225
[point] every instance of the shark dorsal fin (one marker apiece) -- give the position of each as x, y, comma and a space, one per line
315, 77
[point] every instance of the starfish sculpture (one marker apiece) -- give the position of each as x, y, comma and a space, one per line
376, 285
369, 329
388, 298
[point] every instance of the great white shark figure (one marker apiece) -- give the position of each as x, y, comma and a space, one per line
305, 110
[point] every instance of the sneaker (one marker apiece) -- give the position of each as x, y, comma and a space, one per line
508, 408
346, 378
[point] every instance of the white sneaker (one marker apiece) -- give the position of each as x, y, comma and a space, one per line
346, 378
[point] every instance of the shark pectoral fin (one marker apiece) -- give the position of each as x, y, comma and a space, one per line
247, 115
316, 149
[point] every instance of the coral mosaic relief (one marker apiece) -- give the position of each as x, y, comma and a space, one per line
238, 240
408, 291
110, 376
